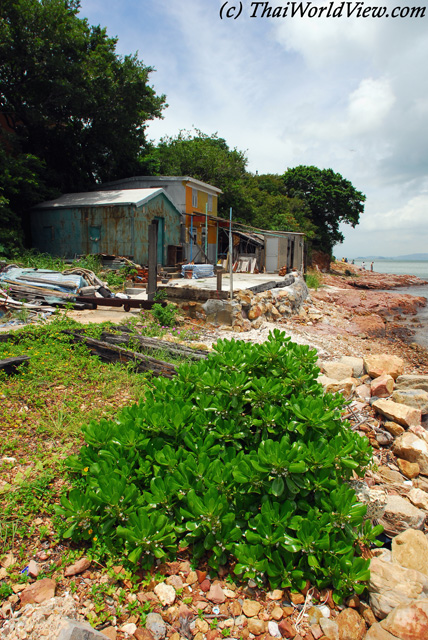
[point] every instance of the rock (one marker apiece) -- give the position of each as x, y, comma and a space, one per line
417, 398
330, 385
401, 413
251, 608
205, 585
156, 626
376, 632
276, 594
375, 498
363, 392
73, 630
276, 613
393, 428
357, 365
377, 364
408, 622
111, 634
130, 628
273, 629
78, 567
329, 628
192, 577
287, 629
408, 469
401, 515
390, 475
419, 431
414, 449
165, 593
410, 550
256, 626
391, 584
351, 625
216, 594
145, 634
33, 569
412, 381
175, 581
419, 498
420, 483
39, 591
337, 370
382, 386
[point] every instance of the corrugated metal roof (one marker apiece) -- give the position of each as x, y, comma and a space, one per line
135, 197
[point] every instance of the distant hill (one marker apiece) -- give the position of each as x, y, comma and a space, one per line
409, 256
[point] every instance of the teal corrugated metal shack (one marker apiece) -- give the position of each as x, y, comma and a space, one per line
107, 222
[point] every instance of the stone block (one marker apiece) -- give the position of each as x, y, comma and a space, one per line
401, 413
73, 630
412, 448
410, 549
382, 386
377, 364
337, 370
400, 515
412, 381
417, 398
391, 584
357, 365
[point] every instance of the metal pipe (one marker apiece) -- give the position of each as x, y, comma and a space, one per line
191, 238
206, 231
231, 253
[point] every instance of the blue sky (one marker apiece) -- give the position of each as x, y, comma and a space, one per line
349, 94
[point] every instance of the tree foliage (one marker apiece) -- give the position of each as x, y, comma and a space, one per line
70, 100
331, 199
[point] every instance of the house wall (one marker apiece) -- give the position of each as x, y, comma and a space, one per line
114, 229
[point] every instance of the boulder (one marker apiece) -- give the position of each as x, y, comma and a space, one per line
391, 584
417, 398
390, 475
410, 550
351, 625
419, 498
382, 386
400, 515
408, 621
377, 364
419, 431
414, 449
39, 591
337, 370
345, 387
376, 632
73, 630
412, 381
401, 413
357, 365
394, 428
408, 469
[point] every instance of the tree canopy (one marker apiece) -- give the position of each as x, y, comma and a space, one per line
331, 199
70, 100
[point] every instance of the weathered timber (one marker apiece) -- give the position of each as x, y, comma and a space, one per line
186, 293
112, 353
126, 303
10, 365
5, 337
154, 344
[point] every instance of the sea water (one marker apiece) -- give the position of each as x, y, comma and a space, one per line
413, 268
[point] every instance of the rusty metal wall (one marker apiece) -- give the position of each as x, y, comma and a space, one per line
115, 229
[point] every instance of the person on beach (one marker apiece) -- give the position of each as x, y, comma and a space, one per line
363, 266
371, 266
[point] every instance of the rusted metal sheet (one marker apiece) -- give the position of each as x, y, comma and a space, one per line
113, 229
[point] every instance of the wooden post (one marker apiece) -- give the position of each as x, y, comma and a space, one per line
153, 260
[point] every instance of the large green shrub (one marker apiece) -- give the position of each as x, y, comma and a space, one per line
243, 458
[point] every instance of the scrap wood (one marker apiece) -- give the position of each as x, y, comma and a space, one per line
10, 365
112, 353
154, 344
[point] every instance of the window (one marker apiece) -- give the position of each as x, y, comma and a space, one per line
210, 202
195, 198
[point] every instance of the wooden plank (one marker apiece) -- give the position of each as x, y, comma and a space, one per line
10, 365
154, 345
185, 293
113, 353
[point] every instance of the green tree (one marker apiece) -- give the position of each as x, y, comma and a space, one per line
71, 101
331, 199
207, 158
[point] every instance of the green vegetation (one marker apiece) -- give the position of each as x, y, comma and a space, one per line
241, 456
312, 280
42, 411
78, 114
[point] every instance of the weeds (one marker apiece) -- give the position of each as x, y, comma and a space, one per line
312, 280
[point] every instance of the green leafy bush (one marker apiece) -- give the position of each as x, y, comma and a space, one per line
243, 458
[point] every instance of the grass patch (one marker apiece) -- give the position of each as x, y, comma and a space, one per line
312, 280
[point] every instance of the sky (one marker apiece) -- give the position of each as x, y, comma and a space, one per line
348, 93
